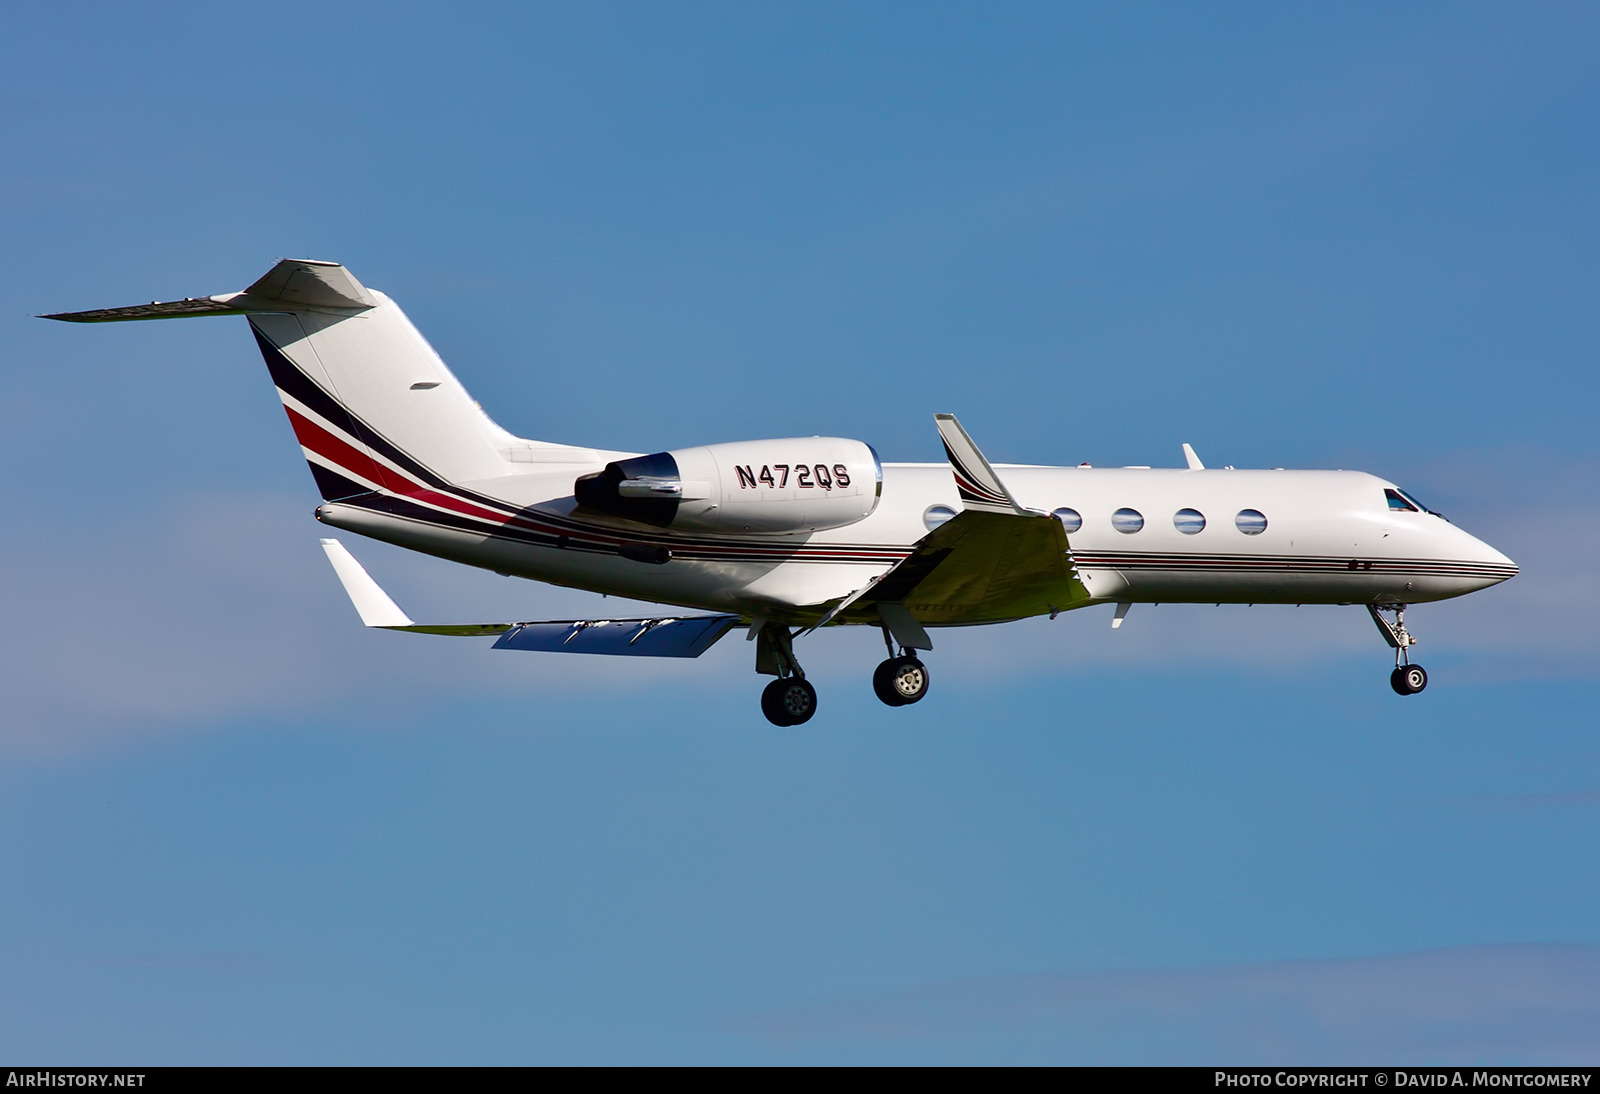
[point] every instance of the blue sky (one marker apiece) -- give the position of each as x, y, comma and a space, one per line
237, 827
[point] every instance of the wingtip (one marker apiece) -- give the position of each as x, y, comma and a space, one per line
375, 607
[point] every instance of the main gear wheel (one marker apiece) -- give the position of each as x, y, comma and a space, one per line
900, 681
789, 701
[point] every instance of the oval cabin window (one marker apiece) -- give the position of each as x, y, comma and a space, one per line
936, 515
1252, 522
1189, 521
1069, 518
1127, 521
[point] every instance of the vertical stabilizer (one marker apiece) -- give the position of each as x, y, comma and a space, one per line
373, 406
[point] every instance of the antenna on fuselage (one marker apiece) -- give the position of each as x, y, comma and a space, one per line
1192, 460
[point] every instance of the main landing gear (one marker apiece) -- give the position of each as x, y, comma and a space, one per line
901, 680
790, 700
1406, 679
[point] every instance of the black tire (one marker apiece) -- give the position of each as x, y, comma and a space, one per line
789, 702
771, 704
900, 681
1408, 679
883, 686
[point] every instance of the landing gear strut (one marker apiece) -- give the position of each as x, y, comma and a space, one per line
1406, 679
901, 680
790, 699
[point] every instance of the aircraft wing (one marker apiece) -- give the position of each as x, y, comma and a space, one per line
672, 636
983, 567
992, 562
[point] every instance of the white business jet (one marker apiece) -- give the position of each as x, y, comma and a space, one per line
785, 536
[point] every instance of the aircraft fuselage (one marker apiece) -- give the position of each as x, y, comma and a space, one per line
1322, 537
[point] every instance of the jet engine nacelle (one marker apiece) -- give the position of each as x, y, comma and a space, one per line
802, 484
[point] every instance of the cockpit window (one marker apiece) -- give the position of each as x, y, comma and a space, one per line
1413, 500
1404, 502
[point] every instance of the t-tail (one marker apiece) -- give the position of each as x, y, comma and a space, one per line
372, 404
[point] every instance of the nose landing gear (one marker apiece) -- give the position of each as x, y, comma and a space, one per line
1406, 679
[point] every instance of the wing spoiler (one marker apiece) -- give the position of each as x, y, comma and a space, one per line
671, 636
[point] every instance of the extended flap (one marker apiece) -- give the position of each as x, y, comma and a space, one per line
621, 637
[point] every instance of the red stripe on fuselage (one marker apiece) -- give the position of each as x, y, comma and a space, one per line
343, 455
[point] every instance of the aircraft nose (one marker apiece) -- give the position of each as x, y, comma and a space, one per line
1483, 564
1491, 555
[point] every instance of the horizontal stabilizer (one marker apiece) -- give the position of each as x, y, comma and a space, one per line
294, 284
685, 637
171, 309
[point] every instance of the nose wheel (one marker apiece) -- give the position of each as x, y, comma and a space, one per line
1406, 679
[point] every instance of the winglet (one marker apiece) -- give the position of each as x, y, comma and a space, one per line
372, 603
1191, 459
980, 488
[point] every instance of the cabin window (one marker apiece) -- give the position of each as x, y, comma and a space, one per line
1069, 518
1252, 522
936, 515
1400, 503
1189, 521
1127, 521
